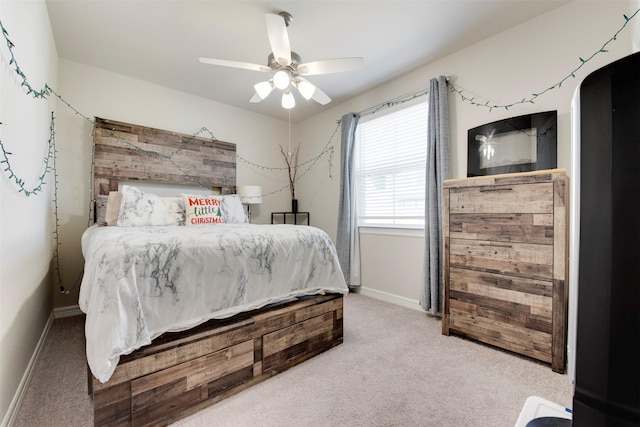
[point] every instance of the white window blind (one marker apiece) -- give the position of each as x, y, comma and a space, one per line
390, 168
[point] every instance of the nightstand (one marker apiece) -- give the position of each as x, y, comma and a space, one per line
291, 217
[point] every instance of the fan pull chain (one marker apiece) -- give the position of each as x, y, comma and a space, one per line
289, 147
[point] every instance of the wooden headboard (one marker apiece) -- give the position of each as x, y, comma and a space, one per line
127, 152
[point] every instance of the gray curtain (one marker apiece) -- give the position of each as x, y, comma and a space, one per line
437, 171
346, 219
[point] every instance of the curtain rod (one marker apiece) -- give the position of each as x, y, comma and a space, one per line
396, 101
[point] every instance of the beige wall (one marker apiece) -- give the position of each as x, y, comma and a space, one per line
26, 222
508, 67
502, 69
391, 264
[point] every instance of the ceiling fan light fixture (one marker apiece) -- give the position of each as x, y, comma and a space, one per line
286, 67
281, 79
288, 101
263, 89
306, 88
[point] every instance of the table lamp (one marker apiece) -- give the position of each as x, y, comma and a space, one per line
250, 195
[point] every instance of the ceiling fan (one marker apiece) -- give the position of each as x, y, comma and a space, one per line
286, 66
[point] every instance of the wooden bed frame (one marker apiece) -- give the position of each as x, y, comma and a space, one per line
180, 373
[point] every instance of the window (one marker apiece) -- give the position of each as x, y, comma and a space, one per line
390, 168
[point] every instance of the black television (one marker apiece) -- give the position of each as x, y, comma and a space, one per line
515, 144
605, 246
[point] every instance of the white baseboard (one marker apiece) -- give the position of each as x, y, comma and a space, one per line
394, 299
12, 412
68, 311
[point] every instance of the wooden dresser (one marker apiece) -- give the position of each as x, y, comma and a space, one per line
505, 262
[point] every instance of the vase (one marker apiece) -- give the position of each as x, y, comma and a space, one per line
294, 205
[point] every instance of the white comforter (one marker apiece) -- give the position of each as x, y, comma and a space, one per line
140, 282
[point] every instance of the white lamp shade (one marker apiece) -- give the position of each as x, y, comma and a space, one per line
250, 194
281, 79
263, 89
306, 89
288, 101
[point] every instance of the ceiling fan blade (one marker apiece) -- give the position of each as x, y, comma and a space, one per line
320, 97
235, 64
328, 66
278, 38
255, 98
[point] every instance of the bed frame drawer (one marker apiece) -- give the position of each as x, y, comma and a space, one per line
183, 372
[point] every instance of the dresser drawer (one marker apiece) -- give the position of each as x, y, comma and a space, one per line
505, 335
515, 259
522, 198
512, 313
521, 301
503, 227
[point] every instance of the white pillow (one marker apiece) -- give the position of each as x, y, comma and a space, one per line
233, 210
141, 209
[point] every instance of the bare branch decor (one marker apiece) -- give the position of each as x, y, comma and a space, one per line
292, 167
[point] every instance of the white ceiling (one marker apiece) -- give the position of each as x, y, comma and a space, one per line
161, 41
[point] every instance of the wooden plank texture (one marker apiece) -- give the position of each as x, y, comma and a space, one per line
446, 260
505, 257
127, 152
513, 227
524, 198
180, 373
137, 367
506, 336
517, 259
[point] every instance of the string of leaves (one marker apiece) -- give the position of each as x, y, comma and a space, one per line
202, 131
47, 90
44, 92
309, 164
19, 182
56, 230
396, 101
534, 96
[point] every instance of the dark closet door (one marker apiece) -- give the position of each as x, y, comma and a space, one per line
607, 389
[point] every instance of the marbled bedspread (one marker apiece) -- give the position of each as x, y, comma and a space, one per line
140, 282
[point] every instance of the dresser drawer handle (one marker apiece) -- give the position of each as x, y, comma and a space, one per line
497, 216
485, 190
496, 245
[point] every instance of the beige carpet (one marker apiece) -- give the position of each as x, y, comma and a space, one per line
395, 368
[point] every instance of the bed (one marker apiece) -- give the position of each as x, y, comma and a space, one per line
186, 307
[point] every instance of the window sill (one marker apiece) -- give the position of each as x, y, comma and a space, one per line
392, 231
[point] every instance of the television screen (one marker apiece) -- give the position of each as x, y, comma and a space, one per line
517, 144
